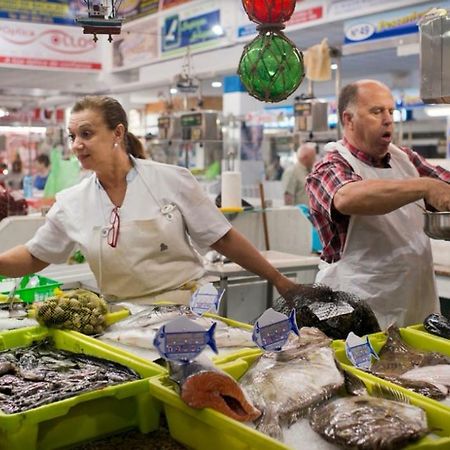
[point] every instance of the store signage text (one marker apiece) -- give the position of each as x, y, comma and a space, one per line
386, 25
193, 30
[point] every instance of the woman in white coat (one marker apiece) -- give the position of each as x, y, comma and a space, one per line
135, 220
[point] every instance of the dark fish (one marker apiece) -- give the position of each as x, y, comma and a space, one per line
204, 386
284, 385
336, 313
437, 324
397, 358
41, 374
368, 423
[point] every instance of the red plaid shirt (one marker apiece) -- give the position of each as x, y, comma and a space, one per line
333, 172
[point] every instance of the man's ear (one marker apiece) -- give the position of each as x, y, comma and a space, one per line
347, 117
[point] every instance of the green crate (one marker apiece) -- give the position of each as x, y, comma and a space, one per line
85, 416
194, 428
45, 288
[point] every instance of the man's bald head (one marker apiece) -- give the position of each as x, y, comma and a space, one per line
306, 154
348, 96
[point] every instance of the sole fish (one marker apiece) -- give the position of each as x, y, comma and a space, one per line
284, 385
397, 358
367, 423
204, 386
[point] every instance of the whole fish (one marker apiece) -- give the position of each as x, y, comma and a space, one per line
283, 385
438, 375
367, 423
204, 386
397, 358
41, 374
437, 324
139, 330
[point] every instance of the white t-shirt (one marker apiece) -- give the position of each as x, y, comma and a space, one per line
79, 209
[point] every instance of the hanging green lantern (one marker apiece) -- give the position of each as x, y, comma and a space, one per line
271, 67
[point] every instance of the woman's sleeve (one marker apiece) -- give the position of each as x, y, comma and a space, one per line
51, 243
205, 222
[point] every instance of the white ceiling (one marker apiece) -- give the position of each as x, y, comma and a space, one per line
33, 87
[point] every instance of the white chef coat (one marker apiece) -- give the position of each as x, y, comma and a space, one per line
81, 208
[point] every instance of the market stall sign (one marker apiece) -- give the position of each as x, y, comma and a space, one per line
387, 25
47, 47
178, 33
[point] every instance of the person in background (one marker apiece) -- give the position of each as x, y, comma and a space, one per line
275, 169
133, 219
42, 170
295, 178
365, 196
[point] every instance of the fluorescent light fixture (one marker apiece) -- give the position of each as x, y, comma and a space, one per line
216, 84
217, 29
334, 66
437, 111
173, 90
6, 129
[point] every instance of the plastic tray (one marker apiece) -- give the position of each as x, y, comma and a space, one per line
415, 339
85, 416
45, 288
419, 328
195, 428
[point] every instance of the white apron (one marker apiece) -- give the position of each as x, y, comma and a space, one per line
387, 258
153, 259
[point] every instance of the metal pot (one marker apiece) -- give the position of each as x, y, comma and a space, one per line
437, 225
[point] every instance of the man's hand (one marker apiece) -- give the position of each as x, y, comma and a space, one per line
438, 194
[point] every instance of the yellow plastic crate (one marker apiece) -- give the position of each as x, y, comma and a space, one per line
197, 429
438, 413
419, 328
85, 416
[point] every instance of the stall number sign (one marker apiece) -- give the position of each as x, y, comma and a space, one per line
178, 33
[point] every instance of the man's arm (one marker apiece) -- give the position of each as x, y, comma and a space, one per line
19, 261
373, 197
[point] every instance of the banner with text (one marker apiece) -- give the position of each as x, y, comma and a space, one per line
42, 46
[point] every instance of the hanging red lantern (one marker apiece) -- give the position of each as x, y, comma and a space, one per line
269, 11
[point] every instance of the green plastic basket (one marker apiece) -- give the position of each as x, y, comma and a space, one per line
44, 288
86, 416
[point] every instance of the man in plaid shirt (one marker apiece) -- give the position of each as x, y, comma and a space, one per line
364, 198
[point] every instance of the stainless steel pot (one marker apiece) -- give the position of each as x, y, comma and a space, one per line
437, 225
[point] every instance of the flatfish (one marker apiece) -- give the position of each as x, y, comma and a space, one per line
397, 358
284, 385
367, 423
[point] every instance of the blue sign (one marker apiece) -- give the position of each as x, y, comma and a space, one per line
178, 33
246, 30
386, 25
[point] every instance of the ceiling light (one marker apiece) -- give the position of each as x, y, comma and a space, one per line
216, 84
217, 29
334, 66
437, 111
173, 90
